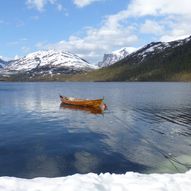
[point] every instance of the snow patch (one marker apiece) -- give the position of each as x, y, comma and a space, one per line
104, 182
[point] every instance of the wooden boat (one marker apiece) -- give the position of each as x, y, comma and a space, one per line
97, 103
90, 110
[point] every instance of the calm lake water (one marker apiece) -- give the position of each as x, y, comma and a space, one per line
147, 128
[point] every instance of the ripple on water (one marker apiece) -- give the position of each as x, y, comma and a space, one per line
147, 128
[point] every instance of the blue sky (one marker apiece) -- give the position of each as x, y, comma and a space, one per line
89, 28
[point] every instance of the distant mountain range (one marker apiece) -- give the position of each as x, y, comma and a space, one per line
47, 62
157, 61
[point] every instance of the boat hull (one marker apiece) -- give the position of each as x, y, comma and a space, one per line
91, 110
82, 102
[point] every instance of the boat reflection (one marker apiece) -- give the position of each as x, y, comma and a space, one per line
81, 108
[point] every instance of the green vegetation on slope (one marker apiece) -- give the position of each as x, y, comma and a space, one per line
171, 64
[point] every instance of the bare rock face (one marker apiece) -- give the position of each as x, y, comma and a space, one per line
115, 56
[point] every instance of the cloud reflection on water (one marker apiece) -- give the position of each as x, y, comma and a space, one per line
139, 124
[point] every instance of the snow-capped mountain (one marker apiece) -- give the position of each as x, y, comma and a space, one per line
140, 54
49, 61
155, 48
157, 61
2, 63
109, 59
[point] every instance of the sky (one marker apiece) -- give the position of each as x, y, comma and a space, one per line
89, 28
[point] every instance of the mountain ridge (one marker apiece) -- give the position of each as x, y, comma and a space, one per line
49, 61
156, 61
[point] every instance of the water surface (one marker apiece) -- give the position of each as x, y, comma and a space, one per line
147, 128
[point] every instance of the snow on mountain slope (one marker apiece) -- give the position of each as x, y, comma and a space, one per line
2, 63
157, 47
115, 56
138, 56
49, 60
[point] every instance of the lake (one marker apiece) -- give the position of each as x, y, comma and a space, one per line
147, 128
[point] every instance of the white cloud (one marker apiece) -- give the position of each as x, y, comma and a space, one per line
59, 7
179, 28
40, 4
37, 4
172, 16
152, 27
165, 19
83, 3
97, 41
140, 8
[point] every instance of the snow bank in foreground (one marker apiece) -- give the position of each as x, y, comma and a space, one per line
93, 182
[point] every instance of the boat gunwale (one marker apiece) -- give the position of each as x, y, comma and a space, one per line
82, 102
